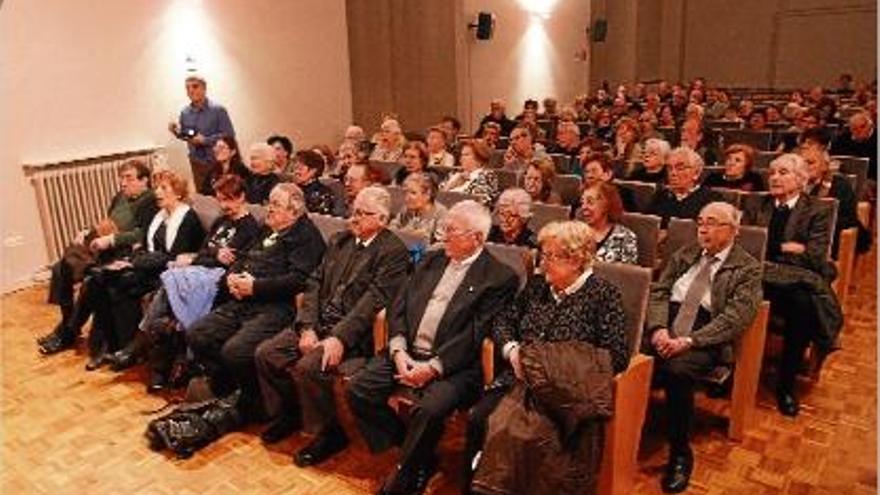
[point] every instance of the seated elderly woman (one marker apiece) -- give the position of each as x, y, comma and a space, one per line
627, 147
567, 303
118, 288
738, 173
513, 210
308, 166
797, 274
262, 178
683, 196
389, 146
190, 285
415, 159
437, 156
653, 166
602, 208
822, 182
538, 182
422, 214
474, 177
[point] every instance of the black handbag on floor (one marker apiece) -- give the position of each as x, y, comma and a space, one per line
192, 426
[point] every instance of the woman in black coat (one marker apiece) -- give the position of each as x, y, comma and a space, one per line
120, 286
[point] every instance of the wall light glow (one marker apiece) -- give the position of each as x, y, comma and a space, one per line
539, 8
535, 63
190, 38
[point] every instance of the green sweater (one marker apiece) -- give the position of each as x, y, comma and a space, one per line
132, 216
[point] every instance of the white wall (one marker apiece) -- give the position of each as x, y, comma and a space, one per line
85, 77
531, 55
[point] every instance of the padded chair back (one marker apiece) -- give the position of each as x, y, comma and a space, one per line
497, 158
561, 162
831, 203
259, 213
397, 194
449, 198
683, 231
386, 170
857, 166
647, 230
642, 192
506, 178
760, 140
731, 196
542, 214
335, 186
413, 240
328, 225
720, 125
207, 209
512, 256
569, 188
763, 158
634, 283
670, 134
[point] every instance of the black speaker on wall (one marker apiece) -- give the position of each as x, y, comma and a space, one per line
485, 25
600, 30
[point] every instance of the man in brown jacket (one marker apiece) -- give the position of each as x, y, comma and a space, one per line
707, 295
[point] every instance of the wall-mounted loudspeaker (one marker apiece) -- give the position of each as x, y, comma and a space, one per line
600, 29
485, 25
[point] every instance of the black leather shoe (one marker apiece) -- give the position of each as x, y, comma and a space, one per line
280, 429
96, 362
677, 474
787, 403
54, 344
408, 481
321, 449
157, 383
123, 359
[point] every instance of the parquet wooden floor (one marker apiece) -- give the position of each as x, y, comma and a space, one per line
66, 431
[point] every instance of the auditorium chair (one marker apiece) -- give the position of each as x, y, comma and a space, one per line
642, 192
647, 230
568, 186
397, 199
561, 162
506, 178
449, 198
543, 213
763, 158
386, 170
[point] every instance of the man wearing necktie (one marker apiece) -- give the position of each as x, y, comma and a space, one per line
706, 296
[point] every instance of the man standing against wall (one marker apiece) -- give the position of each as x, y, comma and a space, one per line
200, 124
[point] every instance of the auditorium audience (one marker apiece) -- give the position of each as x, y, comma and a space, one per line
128, 217
568, 303
474, 178
415, 160
597, 167
512, 213
227, 160
797, 274
737, 174
451, 128
436, 326
627, 150
522, 149
683, 196
308, 166
437, 154
283, 149
859, 139
257, 298
538, 182
602, 209
389, 146
358, 176
118, 288
259, 183
491, 133
653, 166
693, 137
707, 295
568, 137
822, 182
496, 115
422, 214
360, 274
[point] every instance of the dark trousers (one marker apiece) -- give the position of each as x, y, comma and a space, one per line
368, 395
795, 307
477, 425
75, 312
679, 376
293, 384
200, 172
225, 340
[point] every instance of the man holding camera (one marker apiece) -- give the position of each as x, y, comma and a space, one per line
200, 124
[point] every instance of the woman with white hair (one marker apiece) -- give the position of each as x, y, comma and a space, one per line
653, 166
567, 302
797, 274
422, 213
263, 178
513, 211
389, 147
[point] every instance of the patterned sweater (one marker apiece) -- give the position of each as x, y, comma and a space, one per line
593, 314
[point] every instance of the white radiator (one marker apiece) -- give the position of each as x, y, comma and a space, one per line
73, 195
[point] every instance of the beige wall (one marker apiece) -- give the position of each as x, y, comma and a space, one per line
779, 43
530, 55
90, 77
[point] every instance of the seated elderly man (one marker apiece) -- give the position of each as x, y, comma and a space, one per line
358, 176
567, 303
706, 296
522, 149
261, 285
496, 115
128, 217
360, 274
513, 210
797, 273
568, 139
263, 178
693, 137
683, 196
436, 325
859, 140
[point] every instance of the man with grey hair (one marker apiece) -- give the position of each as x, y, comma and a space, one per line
513, 211
200, 124
255, 298
683, 196
859, 140
259, 183
707, 295
361, 273
436, 325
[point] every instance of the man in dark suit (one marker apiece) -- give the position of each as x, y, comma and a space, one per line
260, 286
707, 295
798, 274
683, 196
436, 327
360, 274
